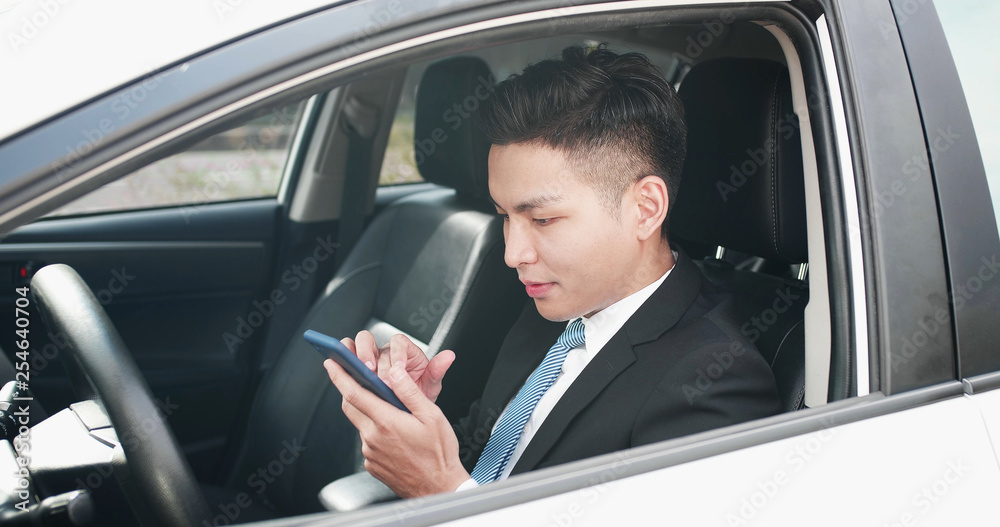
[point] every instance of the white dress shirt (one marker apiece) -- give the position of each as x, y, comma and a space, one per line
598, 330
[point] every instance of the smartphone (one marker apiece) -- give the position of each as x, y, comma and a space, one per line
331, 348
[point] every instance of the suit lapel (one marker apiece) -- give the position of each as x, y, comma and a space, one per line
660, 312
616, 355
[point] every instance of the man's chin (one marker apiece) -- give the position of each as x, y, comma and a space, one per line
552, 312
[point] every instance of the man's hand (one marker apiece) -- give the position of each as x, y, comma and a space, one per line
427, 374
414, 454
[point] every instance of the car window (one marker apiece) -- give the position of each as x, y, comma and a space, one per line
975, 45
399, 164
240, 163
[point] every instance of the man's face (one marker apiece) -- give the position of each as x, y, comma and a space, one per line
573, 256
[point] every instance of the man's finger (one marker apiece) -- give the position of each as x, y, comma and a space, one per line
384, 363
366, 349
408, 391
416, 359
399, 348
365, 402
360, 421
439, 365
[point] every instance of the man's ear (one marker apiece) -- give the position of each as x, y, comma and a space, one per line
652, 201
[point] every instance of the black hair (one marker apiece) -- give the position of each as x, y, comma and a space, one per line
614, 116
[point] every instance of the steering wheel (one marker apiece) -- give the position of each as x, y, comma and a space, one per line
157, 470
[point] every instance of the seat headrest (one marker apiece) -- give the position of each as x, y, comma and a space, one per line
450, 148
742, 185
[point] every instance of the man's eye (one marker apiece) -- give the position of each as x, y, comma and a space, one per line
543, 221
506, 217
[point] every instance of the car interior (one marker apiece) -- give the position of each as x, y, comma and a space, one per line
377, 216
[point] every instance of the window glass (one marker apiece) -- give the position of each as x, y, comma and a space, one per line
399, 165
240, 163
975, 45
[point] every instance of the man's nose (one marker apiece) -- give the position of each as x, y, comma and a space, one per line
518, 247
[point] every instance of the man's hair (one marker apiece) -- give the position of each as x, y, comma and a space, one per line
614, 116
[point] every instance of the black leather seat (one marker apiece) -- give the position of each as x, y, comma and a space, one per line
742, 189
430, 266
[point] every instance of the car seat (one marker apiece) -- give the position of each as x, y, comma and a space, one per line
742, 189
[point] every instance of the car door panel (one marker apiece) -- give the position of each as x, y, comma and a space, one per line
930, 465
988, 402
177, 292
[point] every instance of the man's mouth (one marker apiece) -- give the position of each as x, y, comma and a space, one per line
537, 289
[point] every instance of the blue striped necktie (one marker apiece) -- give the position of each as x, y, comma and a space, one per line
508, 431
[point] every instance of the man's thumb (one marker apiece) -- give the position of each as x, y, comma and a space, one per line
439, 365
406, 389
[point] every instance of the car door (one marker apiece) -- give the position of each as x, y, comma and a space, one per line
901, 441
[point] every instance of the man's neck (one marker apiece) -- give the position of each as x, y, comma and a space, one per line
646, 272
653, 263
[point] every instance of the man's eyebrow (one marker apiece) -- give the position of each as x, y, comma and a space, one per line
537, 202
533, 203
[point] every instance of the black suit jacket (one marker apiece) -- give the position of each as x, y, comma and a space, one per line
678, 366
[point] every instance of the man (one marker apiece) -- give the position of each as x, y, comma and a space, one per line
625, 344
